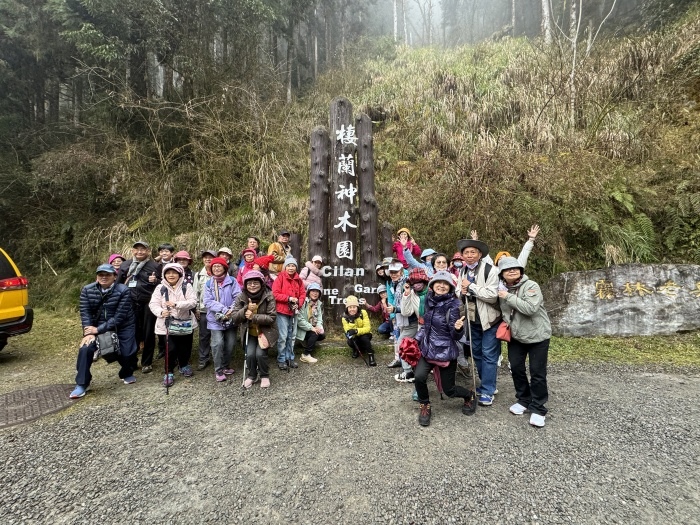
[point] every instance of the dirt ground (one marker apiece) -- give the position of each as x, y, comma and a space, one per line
339, 442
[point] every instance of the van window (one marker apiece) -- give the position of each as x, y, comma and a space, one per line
6, 269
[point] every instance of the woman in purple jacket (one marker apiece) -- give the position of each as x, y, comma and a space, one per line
439, 345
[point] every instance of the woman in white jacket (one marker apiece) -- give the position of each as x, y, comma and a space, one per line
172, 303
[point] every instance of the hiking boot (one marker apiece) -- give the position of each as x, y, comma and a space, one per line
293, 364
168, 380
248, 382
307, 358
537, 420
372, 362
220, 376
355, 353
485, 400
424, 416
186, 371
265, 382
463, 362
202, 366
405, 377
517, 409
129, 380
282, 365
469, 406
146, 369
229, 371
160, 355
78, 392
394, 364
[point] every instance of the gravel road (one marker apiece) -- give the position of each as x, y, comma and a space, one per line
337, 442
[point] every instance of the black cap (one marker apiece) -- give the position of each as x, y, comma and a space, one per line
141, 243
285, 232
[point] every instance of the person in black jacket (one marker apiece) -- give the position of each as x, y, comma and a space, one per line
140, 275
105, 306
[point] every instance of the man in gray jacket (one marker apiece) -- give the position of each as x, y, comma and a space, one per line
479, 291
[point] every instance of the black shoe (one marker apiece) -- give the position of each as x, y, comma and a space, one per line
469, 406
202, 366
293, 364
160, 355
424, 416
355, 354
372, 362
282, 366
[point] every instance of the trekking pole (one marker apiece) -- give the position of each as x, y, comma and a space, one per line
245, 357
167, 354
354, 343
471, 358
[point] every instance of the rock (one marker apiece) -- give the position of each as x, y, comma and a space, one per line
625, 300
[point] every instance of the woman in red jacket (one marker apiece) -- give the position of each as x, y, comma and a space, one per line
289, 293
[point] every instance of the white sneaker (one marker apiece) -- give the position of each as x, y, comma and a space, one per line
308, 359
517, 409
537, 420
500, 360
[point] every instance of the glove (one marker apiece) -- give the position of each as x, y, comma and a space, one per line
351, 333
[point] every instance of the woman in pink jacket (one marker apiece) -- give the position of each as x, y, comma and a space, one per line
172, 303
405, 241
311, 272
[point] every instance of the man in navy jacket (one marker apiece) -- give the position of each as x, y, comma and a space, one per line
105, 306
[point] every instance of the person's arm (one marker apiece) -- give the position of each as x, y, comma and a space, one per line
416, 249
530, 301
240, 306
409, 303
398, 249
266, 318
347, 325
529, 245
454, 315
412, 263
156, 302
374, 309
303, 321
277, 291
278, 252
85, 313
210, 302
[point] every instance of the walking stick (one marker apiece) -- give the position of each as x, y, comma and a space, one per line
358, 350
471, 360
167, 354
245, 357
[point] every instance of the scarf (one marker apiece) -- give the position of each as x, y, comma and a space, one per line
219, 279
312, 312
135, 268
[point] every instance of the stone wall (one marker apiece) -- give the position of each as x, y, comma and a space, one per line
625, 300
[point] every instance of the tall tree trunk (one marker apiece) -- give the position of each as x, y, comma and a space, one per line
327, 24
512, 18
396, 21
405, 23
342, 37
77, 99
315, 44
546, 22
39, 96
574, 24
290, 61
224, 46
54, 100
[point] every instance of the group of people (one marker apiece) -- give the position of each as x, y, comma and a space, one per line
448, 309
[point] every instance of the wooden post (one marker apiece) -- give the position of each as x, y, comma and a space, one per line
387, 239
319, 195
369, 254
342, 210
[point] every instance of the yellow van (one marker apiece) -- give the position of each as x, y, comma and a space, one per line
15, 315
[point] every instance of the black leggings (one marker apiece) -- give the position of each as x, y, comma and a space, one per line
179, 350
363, 342
310, 340
447, 378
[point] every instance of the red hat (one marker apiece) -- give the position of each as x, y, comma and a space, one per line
457, 257
264, 261
418, 275
182, 254
248, 250
221, 261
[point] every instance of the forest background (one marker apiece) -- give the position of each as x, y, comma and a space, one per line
190, 121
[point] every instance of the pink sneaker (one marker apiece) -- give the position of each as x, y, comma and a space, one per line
220, 377
229, 371
248, 382
265, 382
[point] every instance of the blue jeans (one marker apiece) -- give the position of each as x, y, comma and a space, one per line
385, 328
222, 343
486, 349
285, 343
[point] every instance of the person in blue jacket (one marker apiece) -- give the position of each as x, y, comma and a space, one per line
439, 345
105, 306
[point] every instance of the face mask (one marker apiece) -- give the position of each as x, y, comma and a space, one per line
458, 264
